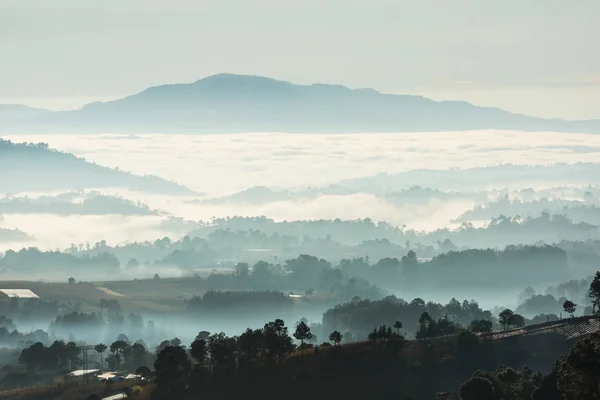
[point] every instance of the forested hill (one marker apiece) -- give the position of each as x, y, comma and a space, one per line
242, 103
35, 167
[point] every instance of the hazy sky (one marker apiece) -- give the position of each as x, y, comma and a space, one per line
534, 56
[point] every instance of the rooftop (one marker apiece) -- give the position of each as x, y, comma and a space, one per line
19, 293
81, 372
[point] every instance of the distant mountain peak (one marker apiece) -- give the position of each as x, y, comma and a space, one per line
227, 102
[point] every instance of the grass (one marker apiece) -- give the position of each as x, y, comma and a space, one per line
64, 391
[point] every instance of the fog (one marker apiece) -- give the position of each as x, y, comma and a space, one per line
222, 164
489, 216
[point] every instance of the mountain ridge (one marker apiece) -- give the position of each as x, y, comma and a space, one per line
28, 167
231, 103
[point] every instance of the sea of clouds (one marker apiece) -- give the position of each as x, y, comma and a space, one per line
222, 164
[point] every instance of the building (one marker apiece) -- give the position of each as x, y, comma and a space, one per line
21, 295
82, 372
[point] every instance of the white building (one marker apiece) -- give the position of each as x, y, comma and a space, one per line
22, 295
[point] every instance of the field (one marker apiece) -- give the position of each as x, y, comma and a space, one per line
149, 295
65, 391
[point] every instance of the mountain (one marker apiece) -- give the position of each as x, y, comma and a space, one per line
35, 167
241, 103
479, 178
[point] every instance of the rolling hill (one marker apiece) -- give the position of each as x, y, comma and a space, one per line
35, 167
227, 103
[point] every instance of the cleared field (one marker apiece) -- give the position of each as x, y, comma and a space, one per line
110, 292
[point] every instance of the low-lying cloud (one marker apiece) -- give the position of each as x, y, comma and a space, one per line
221, 164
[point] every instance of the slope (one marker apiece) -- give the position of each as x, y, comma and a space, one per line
35, 167
239, 103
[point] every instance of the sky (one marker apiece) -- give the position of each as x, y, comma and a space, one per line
537, 57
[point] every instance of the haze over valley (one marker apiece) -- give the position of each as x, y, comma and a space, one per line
314, 200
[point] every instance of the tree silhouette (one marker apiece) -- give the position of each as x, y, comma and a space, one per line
143, 371
72, 353
594, 293
579, 370
397, 326
302, 333
118, 348
517, 320
101, 348
199, 350
481, 326
32, 356
477, 388
569, 307
335, 337
505, 318
172, 368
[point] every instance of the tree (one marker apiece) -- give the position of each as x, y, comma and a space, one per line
250, 344
579, 370
71, 280
335, 337
302, 333
118, 349
594, 293
242, 270
202, 335
569, 307
505, 317
477, 388
101, 348
172, 368
277, 342
481, 326
132, 263
72, 354
143, 371
138, 355
382, 333
32, 356
199, 349
397, 326
103, 305
517, 321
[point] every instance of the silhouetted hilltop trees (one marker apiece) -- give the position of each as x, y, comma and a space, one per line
499, 232
479, 178
36, 167
359, 316
573, 377
13, 235
34, 260
575, 210
515, 266
74, 203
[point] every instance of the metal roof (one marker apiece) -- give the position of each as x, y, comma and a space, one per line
20, 293
81, 372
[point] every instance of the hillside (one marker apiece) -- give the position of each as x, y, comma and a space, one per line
35, 167
240, 103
